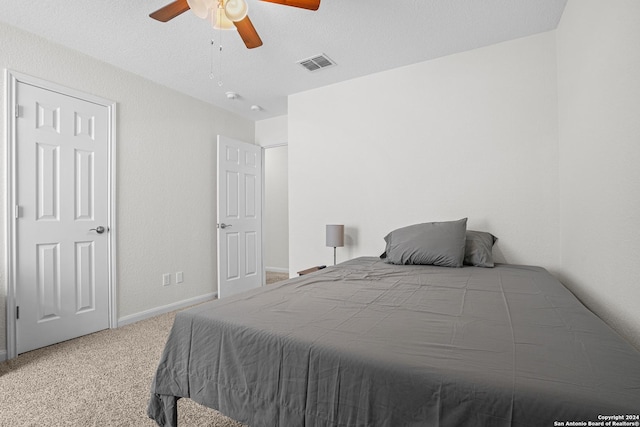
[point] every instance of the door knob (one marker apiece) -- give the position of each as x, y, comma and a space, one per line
223, 225
99, 229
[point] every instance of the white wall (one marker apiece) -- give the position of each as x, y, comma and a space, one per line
468, 135
272, 131
599, 109
166, 175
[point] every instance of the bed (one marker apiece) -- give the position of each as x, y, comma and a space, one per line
369, 343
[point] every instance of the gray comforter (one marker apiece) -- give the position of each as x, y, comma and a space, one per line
371, 344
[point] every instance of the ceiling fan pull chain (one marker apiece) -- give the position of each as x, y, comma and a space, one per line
211, 75
220, 61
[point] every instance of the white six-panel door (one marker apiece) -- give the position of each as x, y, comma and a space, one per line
239, 216
62, 200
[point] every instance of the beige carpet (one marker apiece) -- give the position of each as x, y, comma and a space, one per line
101, 379
272, 277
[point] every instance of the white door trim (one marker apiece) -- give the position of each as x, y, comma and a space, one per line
12, 78
276, 145
264, 208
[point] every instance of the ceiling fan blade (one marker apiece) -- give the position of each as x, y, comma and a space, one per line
248, 33
304, 4
170, 11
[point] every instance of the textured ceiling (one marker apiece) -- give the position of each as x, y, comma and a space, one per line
361, 36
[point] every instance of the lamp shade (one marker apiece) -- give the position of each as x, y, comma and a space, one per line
335, 235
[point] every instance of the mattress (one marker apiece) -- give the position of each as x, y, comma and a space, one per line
366, 343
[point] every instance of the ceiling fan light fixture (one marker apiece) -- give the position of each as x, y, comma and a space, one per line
236, 10
219, 19
199, 8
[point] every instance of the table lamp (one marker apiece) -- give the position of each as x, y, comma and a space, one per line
335, 238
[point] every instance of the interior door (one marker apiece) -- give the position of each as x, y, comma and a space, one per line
239, 216
62, 213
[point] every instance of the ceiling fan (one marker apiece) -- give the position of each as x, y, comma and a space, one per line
226, 14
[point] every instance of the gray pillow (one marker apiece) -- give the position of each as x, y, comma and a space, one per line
479, 248
433, 243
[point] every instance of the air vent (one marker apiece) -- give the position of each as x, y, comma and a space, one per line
317, 62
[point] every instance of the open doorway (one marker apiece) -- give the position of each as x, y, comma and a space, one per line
276, 214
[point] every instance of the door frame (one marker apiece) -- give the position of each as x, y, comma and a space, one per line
264, 208
12, 78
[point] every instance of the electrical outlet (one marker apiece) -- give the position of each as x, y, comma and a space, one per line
179, 277
166, 279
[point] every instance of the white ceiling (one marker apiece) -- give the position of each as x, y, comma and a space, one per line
361, 36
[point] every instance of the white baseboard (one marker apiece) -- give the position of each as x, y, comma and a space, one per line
276, 269
147, 314
3, 355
